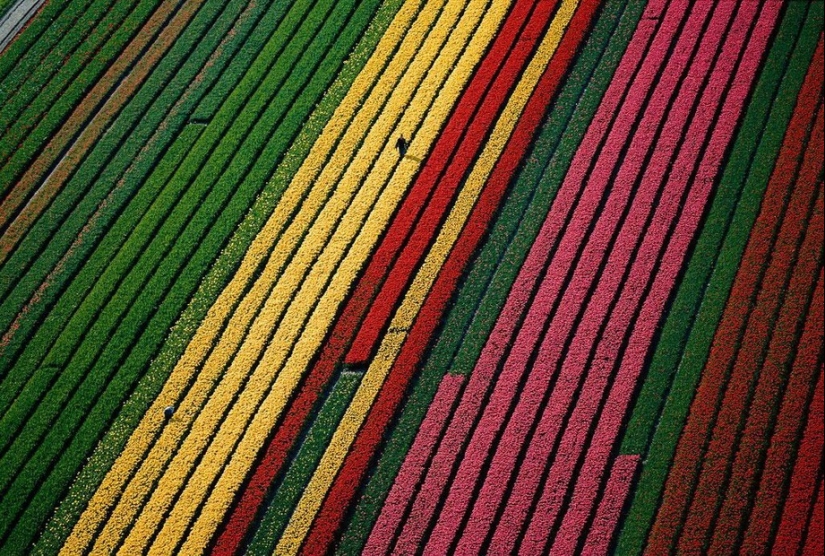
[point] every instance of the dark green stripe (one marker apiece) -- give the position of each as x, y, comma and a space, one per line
481, 297
687, 334
280, 507
133, 409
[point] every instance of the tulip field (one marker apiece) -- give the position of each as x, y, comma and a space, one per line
412, 277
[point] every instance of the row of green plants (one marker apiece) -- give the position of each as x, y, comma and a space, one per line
25, 62
490, 277
104, 203
116, 170
184, 283
684, 343
160, 176
42, 105
35, 41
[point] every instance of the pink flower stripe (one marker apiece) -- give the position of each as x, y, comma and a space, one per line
573, 441
815, 541
789, 425
395, 261
685, 466
610, 508
409, 476
519, 425
750, 453
804, 479
472, 399
435, 304
471, 124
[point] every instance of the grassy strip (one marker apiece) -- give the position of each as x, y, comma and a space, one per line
83, 242
67, 148
93, 212
36, 41
32, 115
674, 339
220, 274
89, 241
124, 312
280, 506
553, 132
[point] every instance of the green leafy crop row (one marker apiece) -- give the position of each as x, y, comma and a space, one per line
131, 354
686, 336
483, 293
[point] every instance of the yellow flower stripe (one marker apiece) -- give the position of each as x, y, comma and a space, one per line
333, 458
141, 440
321, 319
313, 288
202, 435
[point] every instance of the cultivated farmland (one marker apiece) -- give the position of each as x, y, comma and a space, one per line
412, 277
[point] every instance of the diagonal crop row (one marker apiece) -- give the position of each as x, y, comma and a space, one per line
140, 135
563, 118
220, 274
87, 123
89, 381
768, 501
35, 41
40, 40
277, 510
734, 208
109, 268
37, 116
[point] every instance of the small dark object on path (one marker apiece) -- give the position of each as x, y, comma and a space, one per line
401, 145
168, 411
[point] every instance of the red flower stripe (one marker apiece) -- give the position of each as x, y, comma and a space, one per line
450, 447
430, 315
495, 415
789, 425
409, 476
348, 323
685, 197
771, 380
749, 363
685, 467
815, 541
464, 135
610, 508
806, 475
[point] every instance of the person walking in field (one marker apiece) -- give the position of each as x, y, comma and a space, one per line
401, 145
